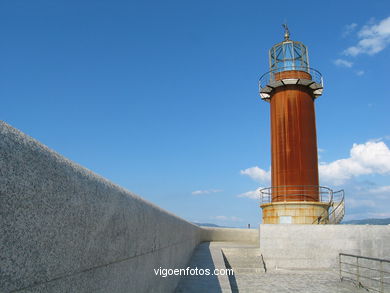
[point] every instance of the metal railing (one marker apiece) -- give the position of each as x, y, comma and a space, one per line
269, 77
366, 272
296, 193
336, 210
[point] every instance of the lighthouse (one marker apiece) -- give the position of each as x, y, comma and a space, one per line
291, 87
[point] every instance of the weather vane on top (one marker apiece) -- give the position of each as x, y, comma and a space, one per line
286, 32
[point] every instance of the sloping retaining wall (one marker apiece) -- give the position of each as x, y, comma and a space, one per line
317, 246
66, 229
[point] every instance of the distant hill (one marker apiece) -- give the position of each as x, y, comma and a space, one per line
216, 226
208, 225
385, 221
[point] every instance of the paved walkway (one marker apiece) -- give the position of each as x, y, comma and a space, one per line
207, 255
304, 282
249, 277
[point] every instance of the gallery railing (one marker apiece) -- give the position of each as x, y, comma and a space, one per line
273, 75
290, 193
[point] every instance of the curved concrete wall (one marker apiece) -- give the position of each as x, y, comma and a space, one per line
66, 229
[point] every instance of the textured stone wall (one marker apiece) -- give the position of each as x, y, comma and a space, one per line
230, 234
66, 229
318, 246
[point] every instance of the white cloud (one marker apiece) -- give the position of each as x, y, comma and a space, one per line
227, 218
220, 217
319, 151
354, 203
252, 194
372, 157
348, 29
379, 215
199, 192
373, 38
359, 72
343, 63
367, 215
380, 189
257, 174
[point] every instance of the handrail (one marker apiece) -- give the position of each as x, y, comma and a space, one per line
269, 76
299, 192
365, 257
337, 213
356, 271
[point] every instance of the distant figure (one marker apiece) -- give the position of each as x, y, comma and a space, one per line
249, 226
319, 219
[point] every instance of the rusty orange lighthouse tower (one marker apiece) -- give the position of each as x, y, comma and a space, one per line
291, 88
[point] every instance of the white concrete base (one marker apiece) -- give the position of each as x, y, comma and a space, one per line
318, 246
294, 212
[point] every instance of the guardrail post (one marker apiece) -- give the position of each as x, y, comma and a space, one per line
381, 268
357, 271
341, 278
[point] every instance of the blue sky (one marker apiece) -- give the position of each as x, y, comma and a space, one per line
161, 97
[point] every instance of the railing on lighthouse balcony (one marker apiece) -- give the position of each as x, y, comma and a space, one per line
303, 193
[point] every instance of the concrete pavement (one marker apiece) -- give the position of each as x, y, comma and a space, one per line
250, 275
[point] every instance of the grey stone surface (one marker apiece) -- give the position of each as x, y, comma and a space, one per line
244, 259
253, 279
294, 282
208, 255
230, 234
64, 228
318, 246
